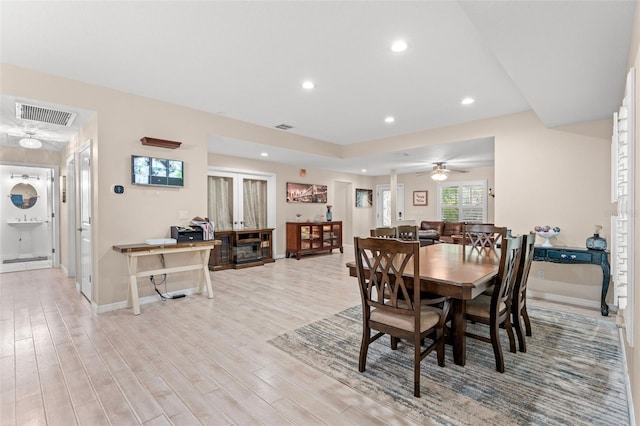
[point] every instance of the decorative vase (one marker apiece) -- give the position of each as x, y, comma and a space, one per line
597, 242
329, 214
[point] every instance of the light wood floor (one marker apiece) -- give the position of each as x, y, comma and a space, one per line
186, 362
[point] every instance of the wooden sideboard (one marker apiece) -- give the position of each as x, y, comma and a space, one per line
312, 237
242, 249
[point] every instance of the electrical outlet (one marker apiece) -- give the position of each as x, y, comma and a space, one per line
183, 214
541, 275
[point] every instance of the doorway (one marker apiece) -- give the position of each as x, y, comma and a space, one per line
384, 210
28, 220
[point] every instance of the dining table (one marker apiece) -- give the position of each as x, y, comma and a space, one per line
456, 271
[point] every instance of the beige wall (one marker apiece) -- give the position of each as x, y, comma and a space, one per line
542, 176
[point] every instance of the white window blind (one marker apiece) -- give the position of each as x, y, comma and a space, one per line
463, 201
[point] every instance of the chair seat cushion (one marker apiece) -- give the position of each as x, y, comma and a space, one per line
429, 316
481, 306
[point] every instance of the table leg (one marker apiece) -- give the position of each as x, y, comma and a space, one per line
458, 328
132, 297
604, 308
205, 279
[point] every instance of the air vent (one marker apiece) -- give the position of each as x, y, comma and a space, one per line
284, 127
44, 115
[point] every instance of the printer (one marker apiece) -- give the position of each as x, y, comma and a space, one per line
186, 233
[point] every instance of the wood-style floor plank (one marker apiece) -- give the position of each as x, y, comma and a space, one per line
188, 361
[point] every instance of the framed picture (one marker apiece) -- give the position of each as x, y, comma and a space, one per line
420, 198
364, 197
306, 193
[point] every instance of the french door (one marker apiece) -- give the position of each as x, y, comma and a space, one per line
240, 200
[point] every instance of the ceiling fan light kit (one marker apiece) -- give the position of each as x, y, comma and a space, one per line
439, 175
30, 143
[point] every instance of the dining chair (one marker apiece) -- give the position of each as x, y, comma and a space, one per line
495, 310
384, 232
407, 232
519, 302
483, 235
391, 301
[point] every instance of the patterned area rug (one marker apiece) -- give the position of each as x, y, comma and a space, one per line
570, 374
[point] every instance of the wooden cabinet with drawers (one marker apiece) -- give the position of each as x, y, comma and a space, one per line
312, 237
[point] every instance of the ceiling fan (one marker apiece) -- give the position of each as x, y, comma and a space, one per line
440, 171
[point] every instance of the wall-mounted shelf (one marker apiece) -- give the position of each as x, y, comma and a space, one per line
160, 143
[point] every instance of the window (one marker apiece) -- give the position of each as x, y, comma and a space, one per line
463, 201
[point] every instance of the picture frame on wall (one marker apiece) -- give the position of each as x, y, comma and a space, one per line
364, 198
306, 193
420, 198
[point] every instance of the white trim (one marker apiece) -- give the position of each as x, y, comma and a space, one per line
564, 299
144, 300
627, 382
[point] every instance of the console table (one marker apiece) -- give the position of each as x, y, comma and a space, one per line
573, 255
134, 251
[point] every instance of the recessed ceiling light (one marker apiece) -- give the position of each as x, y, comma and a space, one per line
467, 101
264, 154
308, 85
389, 119
399, 46
364, 170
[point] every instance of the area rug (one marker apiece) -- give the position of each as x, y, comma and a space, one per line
571, 373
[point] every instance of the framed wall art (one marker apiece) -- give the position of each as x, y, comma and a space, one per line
306, 193
420, 198
364, 197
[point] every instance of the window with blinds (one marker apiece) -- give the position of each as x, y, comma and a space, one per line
463, 201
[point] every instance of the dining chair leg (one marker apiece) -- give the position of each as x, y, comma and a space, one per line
497, 350
394, 343
364, 348
440, 348
416, 369
525, 317
509, 328
517, 324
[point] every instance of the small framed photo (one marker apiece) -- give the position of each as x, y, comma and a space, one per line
420, 198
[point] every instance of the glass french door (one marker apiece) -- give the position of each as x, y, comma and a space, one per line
239, 201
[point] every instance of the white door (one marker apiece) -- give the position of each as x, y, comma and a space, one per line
70, 194
84, 189
383, 205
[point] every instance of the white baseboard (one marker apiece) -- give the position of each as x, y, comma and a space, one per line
627, 382
551, 297
143, 300
65, 270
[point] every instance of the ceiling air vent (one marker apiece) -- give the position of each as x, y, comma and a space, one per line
284, 127
44, 115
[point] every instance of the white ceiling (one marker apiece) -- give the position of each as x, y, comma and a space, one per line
565, 60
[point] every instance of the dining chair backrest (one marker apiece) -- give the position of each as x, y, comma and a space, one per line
519, 298
407, 232
483, 235
389, 258
510, 251
384, 232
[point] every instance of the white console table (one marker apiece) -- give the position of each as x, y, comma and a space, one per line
134, 251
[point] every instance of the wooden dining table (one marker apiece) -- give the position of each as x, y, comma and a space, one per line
456, 271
